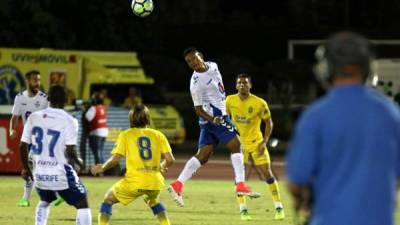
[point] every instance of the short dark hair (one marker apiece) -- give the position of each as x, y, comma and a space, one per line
243, 75
57, 95
189, 50
139, 116
30, 73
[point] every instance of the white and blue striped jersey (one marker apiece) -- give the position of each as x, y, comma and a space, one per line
25, 105
207, 90
49, 131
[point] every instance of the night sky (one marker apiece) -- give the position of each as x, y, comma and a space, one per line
247, 36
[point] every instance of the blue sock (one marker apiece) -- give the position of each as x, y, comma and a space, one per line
158, 208
106, 208
271, 180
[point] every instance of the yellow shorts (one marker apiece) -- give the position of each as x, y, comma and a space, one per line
250, 152
125, 192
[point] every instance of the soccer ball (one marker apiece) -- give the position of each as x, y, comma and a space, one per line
142, 8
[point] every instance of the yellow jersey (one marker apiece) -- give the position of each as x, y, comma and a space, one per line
142, 148
247, 115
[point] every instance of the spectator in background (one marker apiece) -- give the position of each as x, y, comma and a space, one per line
106, 100
132, 99
346, 148
97, 127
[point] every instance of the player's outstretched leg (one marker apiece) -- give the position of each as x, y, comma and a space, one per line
24, 201
176, 187
238, 167
42, 213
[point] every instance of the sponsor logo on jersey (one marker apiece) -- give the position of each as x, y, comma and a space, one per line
11, 82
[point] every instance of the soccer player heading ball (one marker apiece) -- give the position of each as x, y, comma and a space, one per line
208, 94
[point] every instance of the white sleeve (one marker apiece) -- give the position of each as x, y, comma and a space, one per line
16, 107
71, 132
197, 95
27, 133
91, 113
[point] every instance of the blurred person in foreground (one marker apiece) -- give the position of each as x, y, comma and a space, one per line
246, 111
52, 135
143, 149
344, 158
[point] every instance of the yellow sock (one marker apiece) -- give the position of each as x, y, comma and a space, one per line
274, 189
163, 218
104, 218
242, 202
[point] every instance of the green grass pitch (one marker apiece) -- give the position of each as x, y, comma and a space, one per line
206, 203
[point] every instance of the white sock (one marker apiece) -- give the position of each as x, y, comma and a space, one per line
84, 217
242, 207
238, 166
190, 168
28, 189
278, 205
42, 213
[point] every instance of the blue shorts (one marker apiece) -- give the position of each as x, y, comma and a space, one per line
75, 193
211, 134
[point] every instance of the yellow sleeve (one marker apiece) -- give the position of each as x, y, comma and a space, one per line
165, 147
264, 112
227, 105
120, 145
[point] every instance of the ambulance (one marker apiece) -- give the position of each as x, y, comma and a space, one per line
83, 72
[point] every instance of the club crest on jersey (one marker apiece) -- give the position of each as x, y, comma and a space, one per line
11, 82
37, 104
221, 88
250, 110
